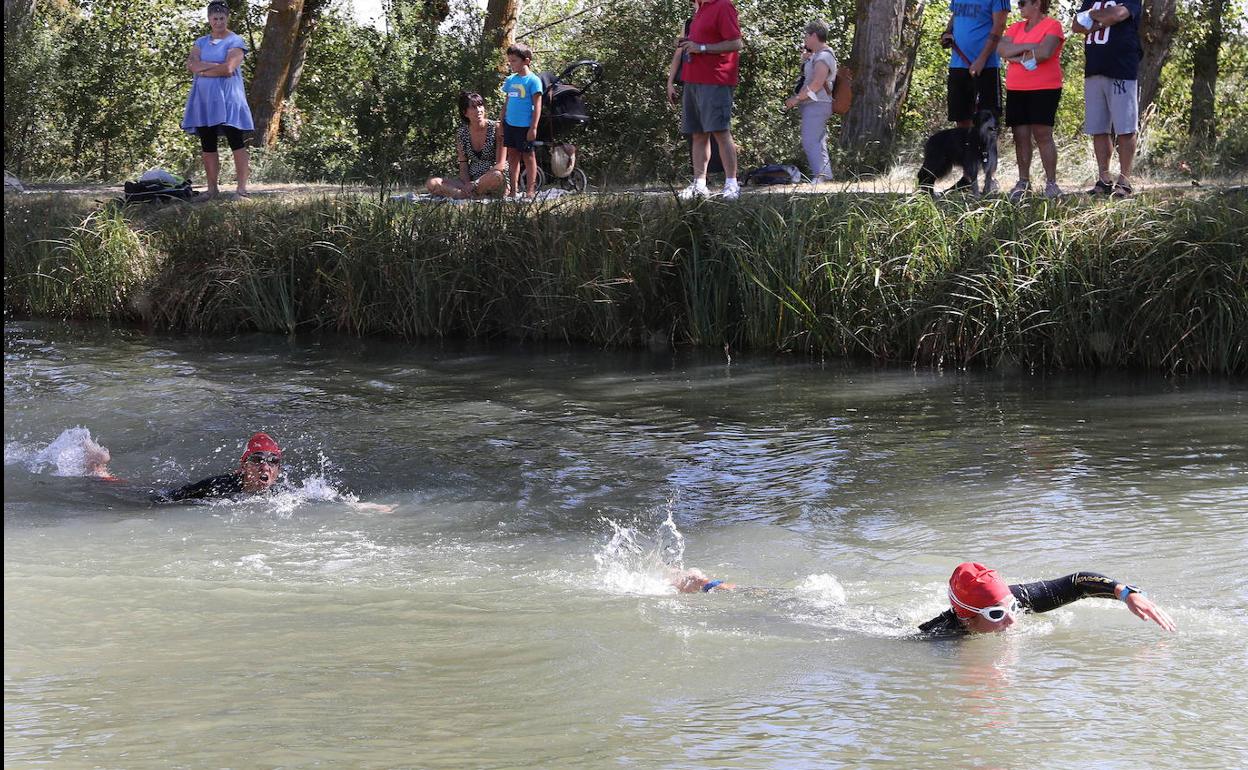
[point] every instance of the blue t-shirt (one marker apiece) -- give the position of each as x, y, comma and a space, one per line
519, 90
1114, 52
972, 24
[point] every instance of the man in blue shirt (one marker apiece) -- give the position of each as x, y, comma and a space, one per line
973, 32
1111, 93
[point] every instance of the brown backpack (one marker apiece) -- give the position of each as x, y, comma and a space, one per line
843, 90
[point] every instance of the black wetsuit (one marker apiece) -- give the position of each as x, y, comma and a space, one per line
225, 485
1041, 596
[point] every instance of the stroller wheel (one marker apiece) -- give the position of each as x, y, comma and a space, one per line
577, 181
542, 177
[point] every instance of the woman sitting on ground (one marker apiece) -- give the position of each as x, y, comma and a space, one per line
482, 163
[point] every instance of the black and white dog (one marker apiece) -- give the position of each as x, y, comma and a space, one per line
974, 149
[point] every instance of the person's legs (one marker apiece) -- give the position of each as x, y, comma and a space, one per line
513, 163
1043, 136
960, 97
1097, 124
447, 188
530, 171
1126, 159
727, 153
1022, 151
242, 170
1102, 148
242, 161
815, 139
212, 162
212, 171
490, 182
701, 145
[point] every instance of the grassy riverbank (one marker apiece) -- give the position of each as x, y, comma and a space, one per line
1160, 281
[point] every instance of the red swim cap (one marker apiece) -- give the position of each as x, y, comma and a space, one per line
975, 585
261, 442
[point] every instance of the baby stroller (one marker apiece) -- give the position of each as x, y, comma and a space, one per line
563, 109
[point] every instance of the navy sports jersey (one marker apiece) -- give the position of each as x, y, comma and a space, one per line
1114, 52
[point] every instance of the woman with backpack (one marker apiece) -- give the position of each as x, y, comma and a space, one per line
814, 100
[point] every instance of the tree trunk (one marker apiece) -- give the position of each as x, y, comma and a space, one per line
307, 24
1157, 30
1205, 71
886, 42
268, 84
500, 22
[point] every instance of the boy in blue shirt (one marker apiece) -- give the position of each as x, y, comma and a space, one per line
524, 108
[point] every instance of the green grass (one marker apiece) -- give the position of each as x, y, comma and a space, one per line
1159, 281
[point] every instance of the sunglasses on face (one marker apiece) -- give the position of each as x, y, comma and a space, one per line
996, 613
263, 458
1022, 3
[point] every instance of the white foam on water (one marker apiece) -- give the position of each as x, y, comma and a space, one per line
633, 561
73, 453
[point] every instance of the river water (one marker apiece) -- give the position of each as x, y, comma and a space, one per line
512, 610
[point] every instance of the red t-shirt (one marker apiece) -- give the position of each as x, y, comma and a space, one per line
714, 22
1048, 73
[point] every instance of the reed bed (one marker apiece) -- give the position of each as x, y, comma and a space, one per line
1159, 281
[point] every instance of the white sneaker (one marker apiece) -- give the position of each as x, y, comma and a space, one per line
731, 192
694, 190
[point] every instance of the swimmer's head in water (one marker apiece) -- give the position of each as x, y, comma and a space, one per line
981, 598
261, 463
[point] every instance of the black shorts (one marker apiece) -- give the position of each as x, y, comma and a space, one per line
967, 94
517, 138
1032, 108
208, 137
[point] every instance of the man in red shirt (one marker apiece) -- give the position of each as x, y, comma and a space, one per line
710, 75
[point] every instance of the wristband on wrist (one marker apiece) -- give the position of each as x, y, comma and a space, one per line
1126, 591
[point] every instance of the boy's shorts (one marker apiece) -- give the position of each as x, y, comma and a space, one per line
705, 108
1110, 106
517, 138
964, 92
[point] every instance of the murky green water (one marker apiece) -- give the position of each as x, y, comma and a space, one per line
511, 611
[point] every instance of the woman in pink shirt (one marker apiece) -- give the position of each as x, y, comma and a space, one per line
1033, 88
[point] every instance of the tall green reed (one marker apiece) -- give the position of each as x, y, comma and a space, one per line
1157, 281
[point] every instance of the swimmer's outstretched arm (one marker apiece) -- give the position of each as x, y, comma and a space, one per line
375, 507
1045, 595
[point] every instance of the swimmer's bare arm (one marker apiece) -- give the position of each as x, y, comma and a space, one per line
374, 507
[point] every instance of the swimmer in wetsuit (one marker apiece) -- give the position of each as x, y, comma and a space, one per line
982, 603
257, 472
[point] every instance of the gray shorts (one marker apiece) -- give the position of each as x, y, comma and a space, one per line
705, 108
1110, 106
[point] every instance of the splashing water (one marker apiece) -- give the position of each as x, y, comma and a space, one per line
73, 453
633, 562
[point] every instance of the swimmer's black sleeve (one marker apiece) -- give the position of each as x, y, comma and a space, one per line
1045, 595
225, 485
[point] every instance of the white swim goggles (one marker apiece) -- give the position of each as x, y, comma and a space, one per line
996, 613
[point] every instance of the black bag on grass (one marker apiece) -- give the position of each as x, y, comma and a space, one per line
774, 173
156, 190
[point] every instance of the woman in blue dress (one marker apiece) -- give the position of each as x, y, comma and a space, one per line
217, 104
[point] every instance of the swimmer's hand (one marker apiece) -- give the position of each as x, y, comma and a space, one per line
374, 507
1143, 608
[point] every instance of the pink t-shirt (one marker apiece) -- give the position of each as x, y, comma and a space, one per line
714, 22
1048, 74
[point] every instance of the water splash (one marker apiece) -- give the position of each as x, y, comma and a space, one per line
633, 561
73, 453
